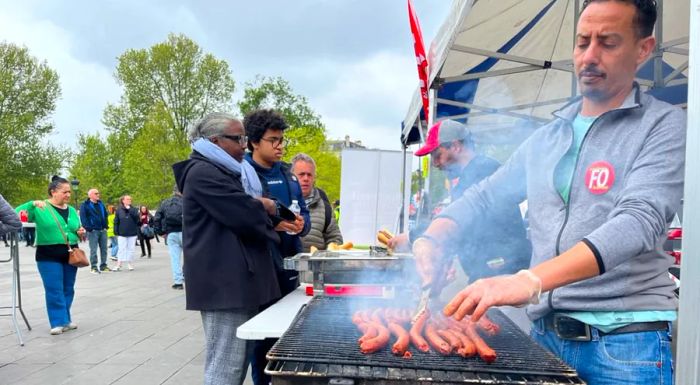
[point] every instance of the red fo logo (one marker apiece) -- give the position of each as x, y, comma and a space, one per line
600, 177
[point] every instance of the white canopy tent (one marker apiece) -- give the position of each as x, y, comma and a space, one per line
502, 66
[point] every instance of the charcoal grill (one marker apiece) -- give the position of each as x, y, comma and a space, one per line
320, 347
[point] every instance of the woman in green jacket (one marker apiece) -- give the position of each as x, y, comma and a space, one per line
54, 218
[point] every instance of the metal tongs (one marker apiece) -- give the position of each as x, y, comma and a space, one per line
427, 291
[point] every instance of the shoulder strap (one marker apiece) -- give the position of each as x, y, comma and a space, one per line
51, 210
327, 209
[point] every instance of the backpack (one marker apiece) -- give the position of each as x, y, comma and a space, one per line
172, 211
328, 209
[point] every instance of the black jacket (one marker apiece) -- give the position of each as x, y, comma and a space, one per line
225, 238
166, 221
498, 244
126, 222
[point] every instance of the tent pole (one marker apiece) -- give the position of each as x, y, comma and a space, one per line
574, 84
688, 352
403, 191
658, 52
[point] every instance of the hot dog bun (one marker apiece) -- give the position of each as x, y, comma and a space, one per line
383, 236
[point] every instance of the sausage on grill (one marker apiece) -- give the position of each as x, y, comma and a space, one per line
416, 333
485, 352
436, 341
402, 339
377, 343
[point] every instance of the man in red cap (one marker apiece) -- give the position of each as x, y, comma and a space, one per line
498, 243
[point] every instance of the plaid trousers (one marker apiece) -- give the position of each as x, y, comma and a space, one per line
227, 356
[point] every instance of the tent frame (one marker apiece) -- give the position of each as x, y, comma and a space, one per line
533, 64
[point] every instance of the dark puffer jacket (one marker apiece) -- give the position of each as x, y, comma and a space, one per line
225, 238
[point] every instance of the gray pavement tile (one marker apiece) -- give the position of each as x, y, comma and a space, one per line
13, 373
132, 329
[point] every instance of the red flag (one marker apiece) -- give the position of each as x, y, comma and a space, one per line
421, 59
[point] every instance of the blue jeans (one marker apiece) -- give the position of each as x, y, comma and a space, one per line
641, 358
174, 241
114, 246
98, 238
59, 281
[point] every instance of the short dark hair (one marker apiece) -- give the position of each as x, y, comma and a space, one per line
259, 121
646, 14
55, 182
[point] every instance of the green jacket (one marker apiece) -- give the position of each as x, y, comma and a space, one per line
47, 232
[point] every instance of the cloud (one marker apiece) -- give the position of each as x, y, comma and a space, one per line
367, 99
352, 59
86, 87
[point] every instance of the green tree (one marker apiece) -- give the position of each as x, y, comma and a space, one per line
28, 93
166, 88
96, 166
306, 133
148, 175
176, 74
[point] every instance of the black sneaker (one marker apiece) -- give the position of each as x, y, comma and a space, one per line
177, 286
94, 271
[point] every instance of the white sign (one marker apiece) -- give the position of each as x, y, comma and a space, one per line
370, 193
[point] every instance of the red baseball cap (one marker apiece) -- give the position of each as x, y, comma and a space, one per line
444, 131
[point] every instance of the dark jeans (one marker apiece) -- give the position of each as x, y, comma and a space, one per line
257, 359
98, 238
147, 241
29, 235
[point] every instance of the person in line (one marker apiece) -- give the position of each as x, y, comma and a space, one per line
495, 244
145, 230
265, 129
9, 220
113, 244
126, 228
168, 222
324, 228
28, 228
94, 217
223, 205
603, 180
55, 222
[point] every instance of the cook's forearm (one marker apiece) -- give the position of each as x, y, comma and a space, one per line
576, 264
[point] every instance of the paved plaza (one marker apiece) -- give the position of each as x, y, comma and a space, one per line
132, 328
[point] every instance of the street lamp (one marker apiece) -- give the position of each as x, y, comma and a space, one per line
74, 185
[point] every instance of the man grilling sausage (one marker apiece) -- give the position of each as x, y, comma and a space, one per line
495, 244
602, 180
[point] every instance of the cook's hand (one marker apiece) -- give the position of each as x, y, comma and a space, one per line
39, 204
399, 242
269, 204
428, 255
81, 231
514, 290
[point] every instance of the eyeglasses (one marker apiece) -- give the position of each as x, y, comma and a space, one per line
241, 139
275, 141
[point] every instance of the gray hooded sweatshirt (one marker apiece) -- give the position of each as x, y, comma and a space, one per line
626, 186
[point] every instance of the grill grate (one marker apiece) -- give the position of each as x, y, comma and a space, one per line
322, 342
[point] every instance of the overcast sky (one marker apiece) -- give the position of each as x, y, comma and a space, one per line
352, 59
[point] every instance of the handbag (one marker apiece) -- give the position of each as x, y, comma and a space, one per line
76, 256
148, 232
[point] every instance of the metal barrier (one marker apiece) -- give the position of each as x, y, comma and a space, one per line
16, 287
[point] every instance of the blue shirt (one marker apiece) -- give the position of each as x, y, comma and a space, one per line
565, 168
